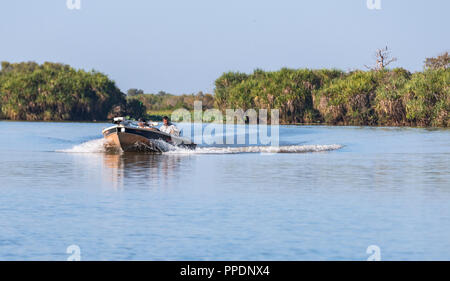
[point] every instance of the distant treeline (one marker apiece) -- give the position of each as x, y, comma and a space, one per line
51, 91
156, 106
163, 101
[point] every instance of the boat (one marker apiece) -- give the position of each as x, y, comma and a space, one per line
129, 136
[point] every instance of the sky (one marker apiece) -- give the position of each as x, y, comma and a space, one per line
182, 46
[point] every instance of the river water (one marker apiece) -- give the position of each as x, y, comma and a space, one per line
336, 192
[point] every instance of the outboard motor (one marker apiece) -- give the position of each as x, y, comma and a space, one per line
118, 120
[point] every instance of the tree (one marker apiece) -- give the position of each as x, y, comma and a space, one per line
441, 62
383, 59
135, 108
5, 66
134, 92
53, 91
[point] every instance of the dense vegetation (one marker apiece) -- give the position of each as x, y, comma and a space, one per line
376, 97
289, 90
379, 96
394, 98
51, 91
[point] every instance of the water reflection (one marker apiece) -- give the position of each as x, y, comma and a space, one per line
140, 170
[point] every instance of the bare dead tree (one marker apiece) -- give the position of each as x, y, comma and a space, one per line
383, 59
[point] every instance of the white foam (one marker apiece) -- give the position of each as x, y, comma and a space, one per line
256, 149
92, 146
98, 146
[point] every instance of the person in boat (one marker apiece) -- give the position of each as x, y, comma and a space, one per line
142, 123
169, 128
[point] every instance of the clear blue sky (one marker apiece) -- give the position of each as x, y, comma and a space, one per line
182, 46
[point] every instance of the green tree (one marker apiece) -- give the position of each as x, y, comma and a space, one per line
53, 91
427, 98
440, 62
134, 92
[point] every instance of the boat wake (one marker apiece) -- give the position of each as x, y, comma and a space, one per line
92, 146
257, 149
98, 146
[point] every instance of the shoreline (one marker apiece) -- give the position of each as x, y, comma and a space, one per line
383, 97
281, 124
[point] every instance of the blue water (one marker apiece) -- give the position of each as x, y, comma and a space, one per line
388, 187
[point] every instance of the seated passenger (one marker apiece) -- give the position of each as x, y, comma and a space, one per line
169, 128
142, 123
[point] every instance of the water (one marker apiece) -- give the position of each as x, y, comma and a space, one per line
337, 191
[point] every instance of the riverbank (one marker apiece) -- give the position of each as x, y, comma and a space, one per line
281, 124
361, 98
57, 92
